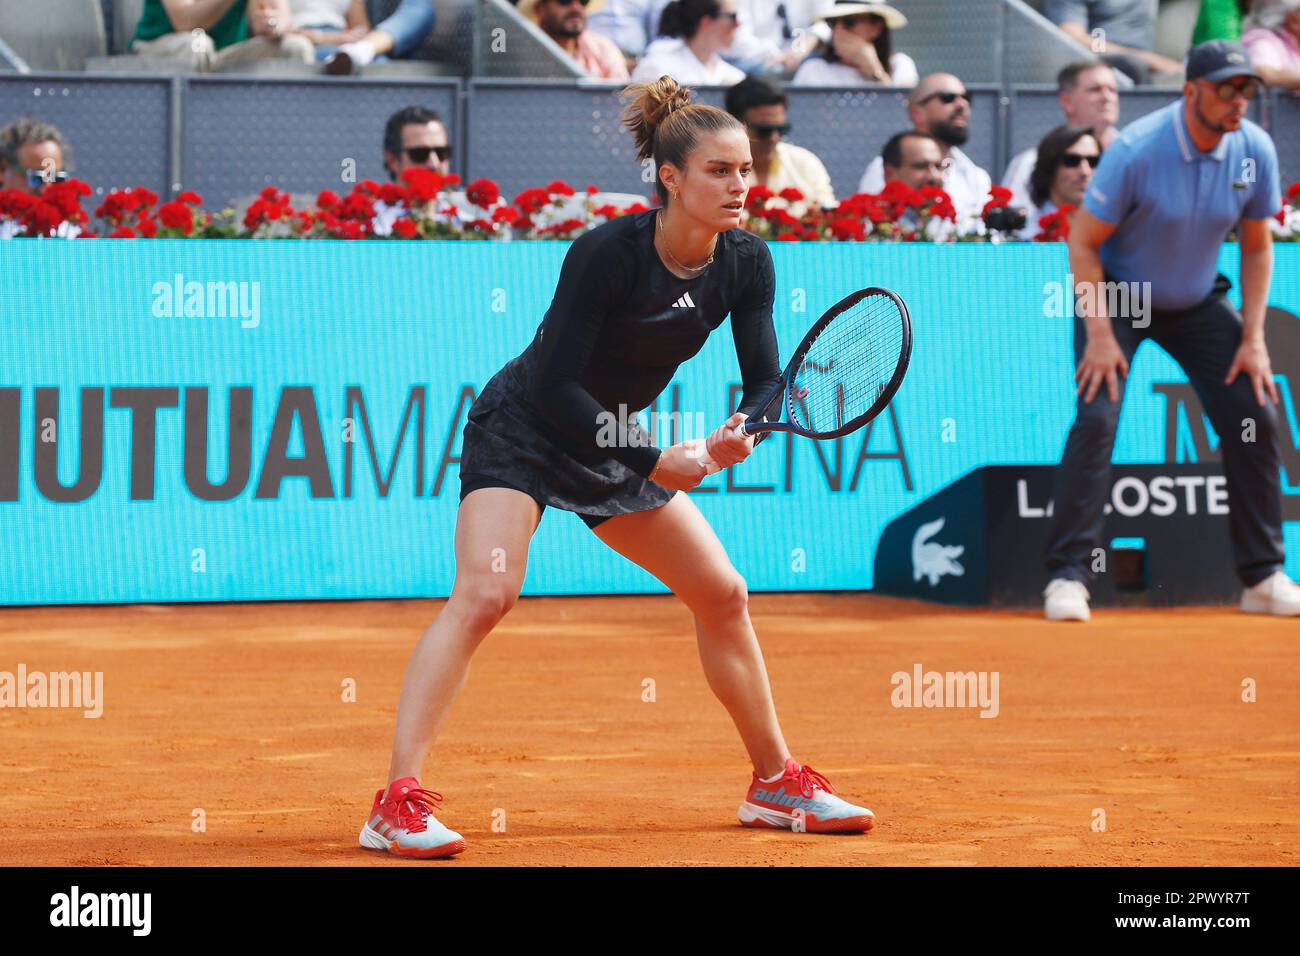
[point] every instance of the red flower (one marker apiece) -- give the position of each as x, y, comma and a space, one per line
391, 194
144, 197
177, 215
559, 188
483, 192
1055, 226
998, 196
592, 189
790, 194
1293, 191
635, 208
147, 227
507, 214
787, 237
327, 199
404, 228
122, 232
846, 229
356, 205
1280, 216
66, 198
451, 179
422, 185
191, 198
531, 200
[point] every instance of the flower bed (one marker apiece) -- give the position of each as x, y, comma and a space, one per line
426, 205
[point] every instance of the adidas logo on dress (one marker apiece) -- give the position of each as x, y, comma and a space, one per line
685, 302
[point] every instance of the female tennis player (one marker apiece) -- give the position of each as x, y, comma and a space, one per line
636, 297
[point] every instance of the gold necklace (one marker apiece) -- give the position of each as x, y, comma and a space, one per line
659, 220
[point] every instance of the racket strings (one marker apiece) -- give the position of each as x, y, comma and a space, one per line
848, 366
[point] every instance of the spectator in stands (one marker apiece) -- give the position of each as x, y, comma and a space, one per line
32, 154
1219, 20
760, 104
693, 33
397, 36
1122, 32
915, 159
775, 36
1088, 91
939, 105
415, 136
1066, 159
1272, 39
206, 34
328, 24
565, 22
861, 49
629, 23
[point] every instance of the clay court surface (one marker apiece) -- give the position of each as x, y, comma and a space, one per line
237, 709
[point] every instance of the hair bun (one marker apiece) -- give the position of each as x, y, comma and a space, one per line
652, 103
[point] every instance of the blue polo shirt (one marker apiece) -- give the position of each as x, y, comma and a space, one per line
1174, 204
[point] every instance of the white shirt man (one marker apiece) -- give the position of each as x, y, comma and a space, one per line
966, 184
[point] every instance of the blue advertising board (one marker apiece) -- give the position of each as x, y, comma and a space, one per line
349, 367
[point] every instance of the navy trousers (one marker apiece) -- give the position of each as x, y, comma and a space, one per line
1203, 340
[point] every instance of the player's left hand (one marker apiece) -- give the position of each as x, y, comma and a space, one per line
729, 445
1252, 358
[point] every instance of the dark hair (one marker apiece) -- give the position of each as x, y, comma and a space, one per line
1050, 151
883, 43
892, 154
26, 130
1068, 78
419, 115
753, 91
681, 18
666, 125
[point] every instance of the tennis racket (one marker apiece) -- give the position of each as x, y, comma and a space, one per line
844, 373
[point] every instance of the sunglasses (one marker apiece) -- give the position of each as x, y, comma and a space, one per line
851, 22
37, 178
1072, 160
731, 15
947, 98
942, 165
567, 3
1226, 91
420, 154
764, 130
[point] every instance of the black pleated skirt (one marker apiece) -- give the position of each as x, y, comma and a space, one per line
506, 441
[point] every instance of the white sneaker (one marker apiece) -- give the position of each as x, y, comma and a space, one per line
1066, 600
349, 58
1276, 594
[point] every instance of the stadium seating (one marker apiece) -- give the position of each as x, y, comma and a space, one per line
53, 34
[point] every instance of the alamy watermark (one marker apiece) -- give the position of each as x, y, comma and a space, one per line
656, 428
1129, 301
182, 299
75, 689
922, 688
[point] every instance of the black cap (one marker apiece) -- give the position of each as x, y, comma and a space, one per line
1219, 60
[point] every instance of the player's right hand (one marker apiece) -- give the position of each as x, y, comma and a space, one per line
1103, 361
682, 466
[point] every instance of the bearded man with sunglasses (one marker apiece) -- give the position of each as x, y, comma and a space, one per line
939, 105
1163, 199
565, 22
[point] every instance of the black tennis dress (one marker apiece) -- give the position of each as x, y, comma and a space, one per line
618, 327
